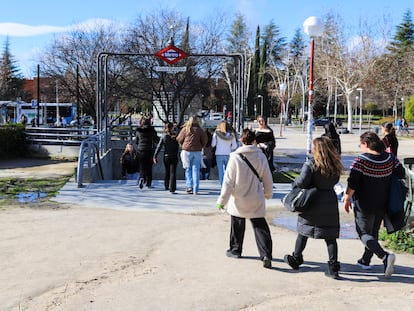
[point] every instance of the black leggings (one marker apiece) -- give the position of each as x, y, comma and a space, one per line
145, 166
331, 244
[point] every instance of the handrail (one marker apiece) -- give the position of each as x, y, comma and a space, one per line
89, 153
58, 135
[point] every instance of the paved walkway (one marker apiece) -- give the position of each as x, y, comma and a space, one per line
120, 194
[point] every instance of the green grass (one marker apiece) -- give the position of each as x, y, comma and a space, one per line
401, 241
11, 187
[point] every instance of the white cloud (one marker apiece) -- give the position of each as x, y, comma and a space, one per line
21, 30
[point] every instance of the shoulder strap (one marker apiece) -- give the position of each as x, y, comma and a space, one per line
250, 165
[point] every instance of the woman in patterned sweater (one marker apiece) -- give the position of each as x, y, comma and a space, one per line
368, 186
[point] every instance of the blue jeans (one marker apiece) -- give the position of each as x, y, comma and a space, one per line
192, 172
222, 161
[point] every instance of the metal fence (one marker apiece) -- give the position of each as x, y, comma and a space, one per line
71, 136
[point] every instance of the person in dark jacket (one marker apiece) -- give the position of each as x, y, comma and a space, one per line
207, 162
265, 140
171, 147
390, 139
146, 139
321, 220
330, 131
369, 187
129, 163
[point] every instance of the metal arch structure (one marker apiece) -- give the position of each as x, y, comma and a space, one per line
102, 87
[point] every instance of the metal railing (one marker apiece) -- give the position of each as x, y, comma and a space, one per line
72, 136
90, 153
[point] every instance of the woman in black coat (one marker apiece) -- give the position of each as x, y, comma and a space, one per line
265, 140
390, 139
146, 140
321, 220
171, 149
330, 131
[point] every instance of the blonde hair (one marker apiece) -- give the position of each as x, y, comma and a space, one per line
222, 127
126, 147
327, 159
192, 121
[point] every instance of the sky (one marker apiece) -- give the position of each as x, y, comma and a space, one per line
31, 25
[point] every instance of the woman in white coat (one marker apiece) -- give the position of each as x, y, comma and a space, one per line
243, 195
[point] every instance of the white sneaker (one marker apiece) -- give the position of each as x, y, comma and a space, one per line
389, 262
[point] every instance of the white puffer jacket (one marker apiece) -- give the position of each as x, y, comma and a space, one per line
242, 193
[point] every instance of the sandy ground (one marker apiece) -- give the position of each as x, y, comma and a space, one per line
100, 259
91, 259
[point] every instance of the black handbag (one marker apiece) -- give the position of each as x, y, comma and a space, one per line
298, 199
394, 218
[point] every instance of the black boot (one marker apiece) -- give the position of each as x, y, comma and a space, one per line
333, 269
294, 261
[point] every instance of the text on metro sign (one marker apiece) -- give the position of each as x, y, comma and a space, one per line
171, 54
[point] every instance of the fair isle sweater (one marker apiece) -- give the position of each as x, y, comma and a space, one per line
370, 177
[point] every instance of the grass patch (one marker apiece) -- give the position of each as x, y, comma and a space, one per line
402, 241
11, 187
284, 177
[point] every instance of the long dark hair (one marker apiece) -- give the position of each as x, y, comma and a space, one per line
373, 141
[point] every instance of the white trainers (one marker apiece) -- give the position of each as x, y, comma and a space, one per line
389, 262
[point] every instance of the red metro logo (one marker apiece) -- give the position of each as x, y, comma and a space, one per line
171, 54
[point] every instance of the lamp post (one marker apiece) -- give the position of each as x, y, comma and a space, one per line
354, 114
402, 107
282, 92
57, 102
313, 27
261, 104
360, 109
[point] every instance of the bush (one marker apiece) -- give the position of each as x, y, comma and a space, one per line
409, 110
402, 240
12, 141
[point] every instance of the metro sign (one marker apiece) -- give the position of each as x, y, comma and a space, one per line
171, 54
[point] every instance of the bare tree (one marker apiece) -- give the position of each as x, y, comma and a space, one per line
174, 91
77, 52
344, 60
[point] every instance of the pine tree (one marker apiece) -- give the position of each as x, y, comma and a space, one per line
11, 83
404, 37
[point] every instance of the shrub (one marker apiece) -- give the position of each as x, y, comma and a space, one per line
399, 241
12, 141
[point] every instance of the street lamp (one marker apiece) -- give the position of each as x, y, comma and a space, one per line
57, 102
360, 109
313, 27
354, 113
282, 92
261, 104
402, 107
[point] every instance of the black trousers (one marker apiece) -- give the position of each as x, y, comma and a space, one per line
145, 166
261, 233
170, 178
331, 244
368, 226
